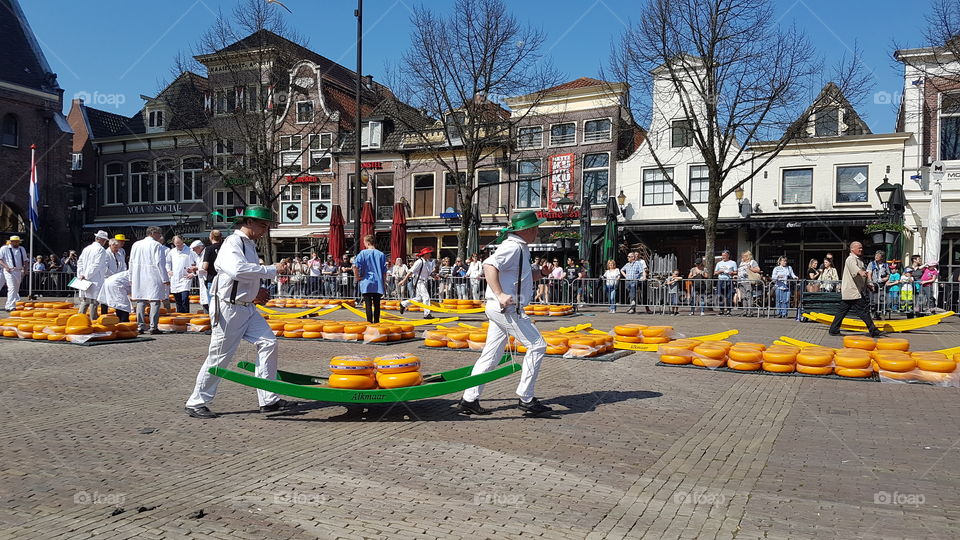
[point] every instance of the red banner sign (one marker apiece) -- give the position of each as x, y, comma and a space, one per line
371, 164
561, 179
302, 179
555, 215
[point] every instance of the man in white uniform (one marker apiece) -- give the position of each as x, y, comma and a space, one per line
114, 258
148, 278
115, 293
14, 260
181, 262
197, 248
92, 266
121, 240
421, 273
234, 293
510, 287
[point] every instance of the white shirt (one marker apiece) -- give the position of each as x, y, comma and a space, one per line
422, 270
178, 262
115, 291
237, 262
475, 270
612, 276
115, 262
723, 267
509, 256
92, 266
14, 258
148, 270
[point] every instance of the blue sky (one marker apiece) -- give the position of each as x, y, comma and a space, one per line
115, 50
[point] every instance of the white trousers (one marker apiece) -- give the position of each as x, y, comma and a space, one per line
502, 326
422, 295
236, 323
13, 279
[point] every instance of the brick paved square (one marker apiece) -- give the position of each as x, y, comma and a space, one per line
634, 450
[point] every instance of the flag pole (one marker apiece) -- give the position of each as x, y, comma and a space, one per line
32, 212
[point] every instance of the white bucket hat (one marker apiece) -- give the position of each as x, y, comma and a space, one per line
102, 235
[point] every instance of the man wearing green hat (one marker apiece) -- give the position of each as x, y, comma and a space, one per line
234, 294
510, 282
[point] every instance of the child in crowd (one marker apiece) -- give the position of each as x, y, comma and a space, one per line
673, 291
893, 288
906, 290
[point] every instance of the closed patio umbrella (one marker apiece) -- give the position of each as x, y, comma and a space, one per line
367, 221
610, 232
398, 233
337, 240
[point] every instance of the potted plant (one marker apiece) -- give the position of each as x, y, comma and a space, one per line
565, 239
884, 233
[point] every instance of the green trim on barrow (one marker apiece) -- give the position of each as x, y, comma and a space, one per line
437, 384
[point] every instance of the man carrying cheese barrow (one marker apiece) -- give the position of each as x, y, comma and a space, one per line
234, 293
510, 282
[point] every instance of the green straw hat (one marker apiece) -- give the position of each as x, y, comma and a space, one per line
520, 221
256, 212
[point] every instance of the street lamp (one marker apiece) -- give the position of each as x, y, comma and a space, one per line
738, 193
565, 204
622, 201
885, 192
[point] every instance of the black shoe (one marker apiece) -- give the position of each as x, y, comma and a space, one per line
878, 334
533, 407
200, 412
649, 312
835, 333
428, 316
472, 407
154, 332
280, 404
402, 309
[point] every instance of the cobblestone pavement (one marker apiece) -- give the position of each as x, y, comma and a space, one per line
635, 450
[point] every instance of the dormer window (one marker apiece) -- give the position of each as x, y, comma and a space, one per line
370, 135
155, 119
826, 122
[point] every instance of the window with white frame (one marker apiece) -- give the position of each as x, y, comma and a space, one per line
699, 184
596, 177
370, 135
383, 196
852, 183
220, 102
423, 195
530, 137
450, 201
223, 154
950, 126
191, 179
304, 112
253, 197
225, 202
320, 196
563, 134
113, 184
76, 161
291, 193
320, 159
797, 186
155, 119
657, 189
597, 130
140, 191
681, 133
530, 183
166, 184
488, 193
291, 151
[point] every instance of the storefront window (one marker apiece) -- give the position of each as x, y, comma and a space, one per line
852, 183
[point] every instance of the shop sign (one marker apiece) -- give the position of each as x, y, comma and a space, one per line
371, 165
561, 179
302, 180
153, 209
235, 182
556, 215
320, 212
290, 213
952, 176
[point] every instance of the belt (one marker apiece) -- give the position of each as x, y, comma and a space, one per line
237, 302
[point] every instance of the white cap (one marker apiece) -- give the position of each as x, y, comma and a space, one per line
196, 243
102, 235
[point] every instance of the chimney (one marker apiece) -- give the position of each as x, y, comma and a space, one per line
368, 81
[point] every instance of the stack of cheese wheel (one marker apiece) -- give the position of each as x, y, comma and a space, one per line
746, 356
476, 340
333, 330
678, 352
175, 322
560, 310
780, 358
710, 354
354, 331
106, 328
390, 304
381, 332
657, 334
398, 371
557, 343
194, 298
438, 338
849, 362
125, 330
199, 323
629, 333
277, 326
353, 372
815, 361
293, 329
458, 339
934, 367
312, 330
895, 364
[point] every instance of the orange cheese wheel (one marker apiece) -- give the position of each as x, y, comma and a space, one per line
774, 367
632, 339
479, 337
855, 353
39, 335
78, 330
162, 320
671, 350
655, 340
352, 382
657, 331
475, 345
333, 328
773, 356
435, 334
352, 365
276, 325
435, 343
354, 328
61, 337
744, 366
929, 355
688, 344
675, 359
557, 349
580, 342
812, 358
852, 362
893, 344
312, 327
399, 380
898, 365
749, 345
458, 336
631, 331
10, 333
455, 344
752, 356
556, 340
851, 372
293, 333
859, 342
397, 363
939, 366
369, 338
79, 319
710, 352
709, 362
311, 335
814, 370
199, 321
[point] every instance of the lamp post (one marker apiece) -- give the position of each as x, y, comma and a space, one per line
738, 193
565, 204
893, 203
622, 202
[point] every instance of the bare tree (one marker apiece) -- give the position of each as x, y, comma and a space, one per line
261, 110
736, 77
459, 68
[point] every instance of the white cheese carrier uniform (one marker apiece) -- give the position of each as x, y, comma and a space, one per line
14, 257
92, 265
420, 274
234, 317
115, 292
512, 259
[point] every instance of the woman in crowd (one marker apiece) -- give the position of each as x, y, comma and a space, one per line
611, 277
928, 278
347, 286
460, 279
399, 271
543, 290
329, 277
813, 276
829, 278
748, 277
699, 276
780, 276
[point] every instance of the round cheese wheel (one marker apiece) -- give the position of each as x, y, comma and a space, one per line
899, 365
631, 331
631, 339
557, 349
743, 366
62, 337
810, 358
753, 356
354, 328
749, 345
711, 352
397, 363
654, 340
657, 331
939, 366
670, 349
772, 356
688, 344
399, 380
675, 359
774, 367
851, 362
311, 335
78, 330
893, 344
352, 382
851, 372
709, 362
859, 342
333, 328
814, 370
435, 343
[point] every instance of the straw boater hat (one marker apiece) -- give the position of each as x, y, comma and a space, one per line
120, 237
256, 212
425, 251
14, 238
520, 221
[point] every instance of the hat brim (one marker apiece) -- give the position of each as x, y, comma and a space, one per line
240, 218
537, 223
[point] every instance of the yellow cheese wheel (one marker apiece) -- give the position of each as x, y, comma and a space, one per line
352, 382
939, 366
458, 336
10, 333
671, 350
688, 344
354, 328
654, 340
899, 365
312, 327
39, 335
333, 328
675, 359
633, 339
814, 370
293, 333
749, 345
557, 349
709, 351
753, 356
774, 367
399, 380
435, 343
127, 327
397, 363
743, 366
311, 335
929, 355
60, 337
352, 365
859, 342
108, 320
78, 330
893, 344
709, 362
352, 337
851, 372
773, 356
852, 362
199, 321
79, 319
813, 358
161, 320
632, 331
657, 331
456, 344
